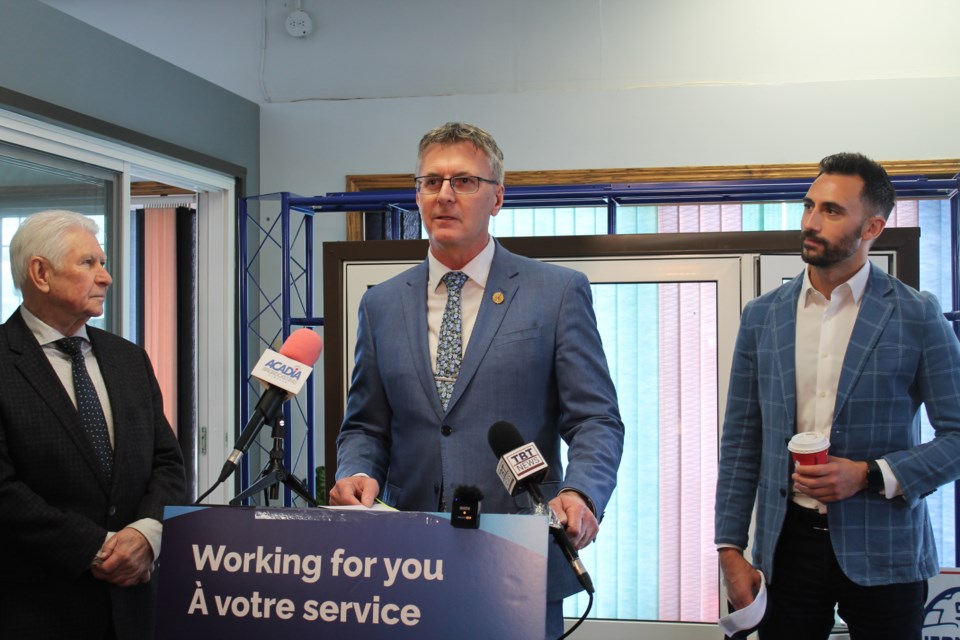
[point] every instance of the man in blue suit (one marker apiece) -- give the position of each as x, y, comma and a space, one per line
415, 429
846, 350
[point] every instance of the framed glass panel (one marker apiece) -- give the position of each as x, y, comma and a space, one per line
31, 181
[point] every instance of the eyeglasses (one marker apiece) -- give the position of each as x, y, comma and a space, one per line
459, 184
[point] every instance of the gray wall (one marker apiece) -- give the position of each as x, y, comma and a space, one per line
56, 68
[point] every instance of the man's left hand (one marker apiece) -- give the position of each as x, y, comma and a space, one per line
837, 479
126, 559
574, 514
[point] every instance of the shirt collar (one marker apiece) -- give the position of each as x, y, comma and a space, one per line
477, 269
44, 333
857, 283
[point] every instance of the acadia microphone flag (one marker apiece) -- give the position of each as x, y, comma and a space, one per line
283, 374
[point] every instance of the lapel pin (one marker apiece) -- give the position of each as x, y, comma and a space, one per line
498, 297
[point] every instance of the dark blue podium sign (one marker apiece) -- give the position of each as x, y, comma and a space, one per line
247, 572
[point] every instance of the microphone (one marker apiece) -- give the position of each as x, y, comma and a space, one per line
522, 467
283, 374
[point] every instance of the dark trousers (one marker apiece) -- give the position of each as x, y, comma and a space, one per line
808, 583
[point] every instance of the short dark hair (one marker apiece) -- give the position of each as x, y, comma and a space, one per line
878, 194
456, 132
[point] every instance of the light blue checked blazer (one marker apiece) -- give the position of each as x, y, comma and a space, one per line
902, 353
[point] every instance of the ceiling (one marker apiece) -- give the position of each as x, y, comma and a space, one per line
218, 40
357, 49
374, 49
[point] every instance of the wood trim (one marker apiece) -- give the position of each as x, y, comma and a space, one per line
928, 168
354, 225
369, 182
156, 189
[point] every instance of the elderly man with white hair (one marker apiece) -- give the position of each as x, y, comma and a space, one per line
87, 459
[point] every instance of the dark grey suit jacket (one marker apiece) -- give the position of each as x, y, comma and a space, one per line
55, 504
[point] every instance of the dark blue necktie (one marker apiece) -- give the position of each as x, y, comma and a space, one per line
88, 403
450, 345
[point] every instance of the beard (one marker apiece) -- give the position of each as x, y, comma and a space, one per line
833, 253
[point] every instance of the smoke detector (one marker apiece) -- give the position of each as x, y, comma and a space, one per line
299, 24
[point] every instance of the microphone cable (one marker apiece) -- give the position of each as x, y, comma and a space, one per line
582, 618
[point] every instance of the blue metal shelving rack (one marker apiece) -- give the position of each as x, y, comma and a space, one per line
271, 309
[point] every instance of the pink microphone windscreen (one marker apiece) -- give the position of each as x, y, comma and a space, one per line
304, 346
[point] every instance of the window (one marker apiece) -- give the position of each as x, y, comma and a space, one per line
58, 159
680, 362
650, 595
32, 182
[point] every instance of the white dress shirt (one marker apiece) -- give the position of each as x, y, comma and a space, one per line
471, 295
824, 327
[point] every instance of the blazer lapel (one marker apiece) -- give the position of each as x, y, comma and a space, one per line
33, 365
413, 302
784, 319
875, 312
501, 280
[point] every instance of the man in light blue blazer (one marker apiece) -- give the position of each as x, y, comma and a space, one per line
530, 355
849, 351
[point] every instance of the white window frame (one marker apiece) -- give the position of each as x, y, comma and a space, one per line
216, 270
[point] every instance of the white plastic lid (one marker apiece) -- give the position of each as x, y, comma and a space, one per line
809, 442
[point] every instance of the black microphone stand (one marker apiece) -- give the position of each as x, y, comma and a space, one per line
274, 474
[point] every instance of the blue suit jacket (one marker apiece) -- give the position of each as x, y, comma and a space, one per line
902, 353
534, 360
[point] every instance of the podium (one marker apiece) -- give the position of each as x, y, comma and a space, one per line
250, 572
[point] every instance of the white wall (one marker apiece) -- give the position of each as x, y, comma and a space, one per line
309, 148
623, 83
614, 83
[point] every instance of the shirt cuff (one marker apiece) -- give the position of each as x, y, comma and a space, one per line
585, 497
97, 559
152, 530
891, 488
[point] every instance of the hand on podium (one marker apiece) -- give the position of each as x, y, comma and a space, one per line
355, 490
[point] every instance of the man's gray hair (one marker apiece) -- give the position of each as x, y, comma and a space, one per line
455, 132
45, 234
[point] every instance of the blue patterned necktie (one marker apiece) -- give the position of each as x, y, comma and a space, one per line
88, 404
450, 345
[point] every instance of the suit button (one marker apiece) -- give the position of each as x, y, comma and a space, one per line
783, 492
446, 430
436, 488
112, 511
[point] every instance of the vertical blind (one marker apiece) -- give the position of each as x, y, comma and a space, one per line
160, 303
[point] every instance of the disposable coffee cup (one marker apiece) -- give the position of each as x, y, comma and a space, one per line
809, 447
